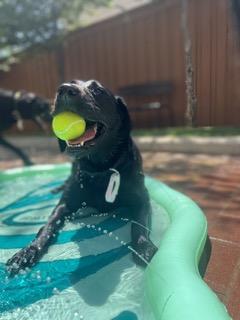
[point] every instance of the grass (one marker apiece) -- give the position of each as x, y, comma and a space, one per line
185, 131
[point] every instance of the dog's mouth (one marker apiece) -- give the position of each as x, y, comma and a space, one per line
94, 130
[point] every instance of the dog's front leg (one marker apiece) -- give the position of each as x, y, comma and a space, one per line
18, 151
141, 242
28, 256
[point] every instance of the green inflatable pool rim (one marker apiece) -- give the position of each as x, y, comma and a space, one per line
31, 170
174, 287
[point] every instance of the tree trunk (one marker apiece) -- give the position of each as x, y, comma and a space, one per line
190, 114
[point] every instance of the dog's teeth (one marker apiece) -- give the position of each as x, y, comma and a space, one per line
82, 143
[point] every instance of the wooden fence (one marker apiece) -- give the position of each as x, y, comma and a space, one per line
144, 46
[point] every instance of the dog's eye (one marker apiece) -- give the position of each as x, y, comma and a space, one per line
98, 90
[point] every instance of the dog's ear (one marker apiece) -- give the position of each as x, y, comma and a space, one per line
123, 110
62, 145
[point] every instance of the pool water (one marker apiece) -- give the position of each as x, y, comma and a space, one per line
88, 273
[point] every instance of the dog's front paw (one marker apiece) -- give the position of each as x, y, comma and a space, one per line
145, 251
24, 258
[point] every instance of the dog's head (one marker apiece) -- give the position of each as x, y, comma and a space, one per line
106, 116
33, 107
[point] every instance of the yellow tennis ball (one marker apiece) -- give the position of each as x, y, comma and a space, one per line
68, 125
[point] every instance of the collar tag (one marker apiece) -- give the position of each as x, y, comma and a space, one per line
113, 186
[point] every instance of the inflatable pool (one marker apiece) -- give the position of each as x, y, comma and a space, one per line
88, 273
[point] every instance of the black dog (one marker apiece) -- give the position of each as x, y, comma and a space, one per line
106, 173
15, 107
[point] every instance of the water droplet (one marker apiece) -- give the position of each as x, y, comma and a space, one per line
105, 231
58, 222
55, 291
99, 229
116, 238
81, 186
15, 265
110, 234
22, 271
114, 216
84, 204
88, 226
48, 279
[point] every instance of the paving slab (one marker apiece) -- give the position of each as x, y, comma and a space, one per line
204, 145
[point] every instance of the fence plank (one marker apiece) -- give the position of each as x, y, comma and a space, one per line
146, 45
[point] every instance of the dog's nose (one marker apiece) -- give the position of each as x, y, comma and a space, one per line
68, 89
